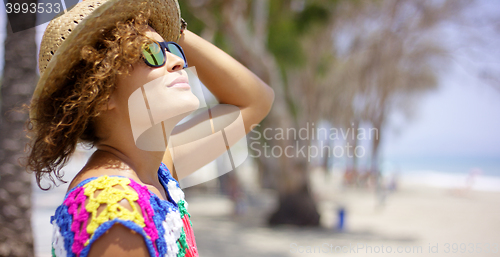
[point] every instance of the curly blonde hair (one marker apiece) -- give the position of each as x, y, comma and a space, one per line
67, 116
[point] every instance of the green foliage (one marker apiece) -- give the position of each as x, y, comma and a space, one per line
194, 24
324, 66
283, 36
292, 106
197, 25
313, 14
287, 27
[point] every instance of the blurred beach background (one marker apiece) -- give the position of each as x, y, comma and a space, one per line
424, 75
427, 208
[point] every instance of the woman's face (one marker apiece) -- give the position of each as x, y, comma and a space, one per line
150, 95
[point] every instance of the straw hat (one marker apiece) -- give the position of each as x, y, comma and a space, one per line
65, 35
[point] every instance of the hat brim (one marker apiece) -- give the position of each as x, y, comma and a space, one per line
66, 35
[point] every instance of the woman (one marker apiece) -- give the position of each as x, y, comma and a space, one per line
93, 61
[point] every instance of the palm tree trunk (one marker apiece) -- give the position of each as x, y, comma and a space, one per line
19, 79
296, 206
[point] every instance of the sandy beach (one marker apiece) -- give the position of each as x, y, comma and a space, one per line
415, 220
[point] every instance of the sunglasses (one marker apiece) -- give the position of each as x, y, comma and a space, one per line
154, 55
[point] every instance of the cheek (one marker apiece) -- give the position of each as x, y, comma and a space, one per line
165, 103
141, 74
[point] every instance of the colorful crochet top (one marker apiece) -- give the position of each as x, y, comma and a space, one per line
164, 224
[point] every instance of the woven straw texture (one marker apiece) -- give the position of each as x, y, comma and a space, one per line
66, 35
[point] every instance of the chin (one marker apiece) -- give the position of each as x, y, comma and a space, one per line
193, 102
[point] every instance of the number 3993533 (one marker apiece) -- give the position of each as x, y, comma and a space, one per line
33, 7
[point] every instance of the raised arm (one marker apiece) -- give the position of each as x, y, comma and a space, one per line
229, 81
232, 84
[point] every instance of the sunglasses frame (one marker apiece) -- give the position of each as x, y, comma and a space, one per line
165, 46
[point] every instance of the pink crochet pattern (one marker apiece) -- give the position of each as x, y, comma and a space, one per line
75, 203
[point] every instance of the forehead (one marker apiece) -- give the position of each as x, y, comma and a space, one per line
151, 33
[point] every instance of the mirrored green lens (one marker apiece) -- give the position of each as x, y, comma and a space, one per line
153, 54
175, 50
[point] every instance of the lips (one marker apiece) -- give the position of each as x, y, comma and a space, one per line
180, 82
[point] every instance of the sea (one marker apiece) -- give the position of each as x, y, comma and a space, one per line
480, 173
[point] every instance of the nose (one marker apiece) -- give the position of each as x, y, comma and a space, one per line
174, 62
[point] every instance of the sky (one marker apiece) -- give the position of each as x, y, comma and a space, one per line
462, 117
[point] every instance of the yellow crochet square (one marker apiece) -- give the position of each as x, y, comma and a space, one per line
112, 191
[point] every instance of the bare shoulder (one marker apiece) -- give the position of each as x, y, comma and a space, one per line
119, 241
90, 173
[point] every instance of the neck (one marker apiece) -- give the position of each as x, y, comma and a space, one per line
120, 148
132, 162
